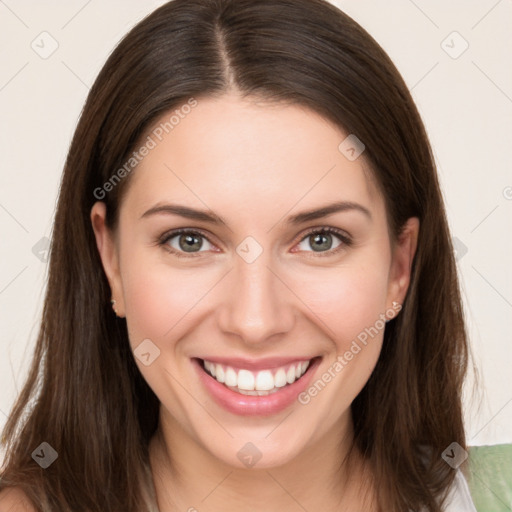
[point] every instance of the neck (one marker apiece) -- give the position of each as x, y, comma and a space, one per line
187, 477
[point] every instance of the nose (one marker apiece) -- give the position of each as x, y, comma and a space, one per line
258, 305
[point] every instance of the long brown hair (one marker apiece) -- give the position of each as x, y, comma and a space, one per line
84, 395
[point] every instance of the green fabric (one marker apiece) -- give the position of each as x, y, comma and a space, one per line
490, 477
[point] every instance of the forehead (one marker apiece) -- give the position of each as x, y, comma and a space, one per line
253, 156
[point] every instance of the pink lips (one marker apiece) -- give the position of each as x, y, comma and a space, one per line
246, 405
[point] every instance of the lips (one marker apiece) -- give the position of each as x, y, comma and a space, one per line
262, 402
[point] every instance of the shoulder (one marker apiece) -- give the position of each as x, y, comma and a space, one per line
459, 498
13, 499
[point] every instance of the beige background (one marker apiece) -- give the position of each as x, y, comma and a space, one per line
464, 95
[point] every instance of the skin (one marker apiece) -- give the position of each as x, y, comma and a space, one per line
254, 164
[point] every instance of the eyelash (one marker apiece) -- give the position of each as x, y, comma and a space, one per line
344, 238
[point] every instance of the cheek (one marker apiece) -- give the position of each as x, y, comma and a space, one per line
350, 303
159, 299
346, 299
161, 304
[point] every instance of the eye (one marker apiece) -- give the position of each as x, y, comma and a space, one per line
324, 240
185, 242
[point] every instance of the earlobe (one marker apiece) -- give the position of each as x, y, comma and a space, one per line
404, 251
109, 255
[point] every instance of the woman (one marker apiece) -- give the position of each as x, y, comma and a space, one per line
251, 188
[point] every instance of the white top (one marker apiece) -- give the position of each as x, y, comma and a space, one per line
459, 498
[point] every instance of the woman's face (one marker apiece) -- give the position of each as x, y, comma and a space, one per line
253, 286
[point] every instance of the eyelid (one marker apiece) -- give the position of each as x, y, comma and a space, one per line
342, 234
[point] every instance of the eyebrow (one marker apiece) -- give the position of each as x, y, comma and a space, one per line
324, 211
299, 218
185, 211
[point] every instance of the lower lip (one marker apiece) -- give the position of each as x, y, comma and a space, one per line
246, 405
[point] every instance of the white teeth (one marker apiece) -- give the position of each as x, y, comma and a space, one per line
259, 383
248, 392
231, 378
219, 373
245, 380
290, 375
280, 378
264, 381
210, 367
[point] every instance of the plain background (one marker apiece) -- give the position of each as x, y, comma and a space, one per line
464, 96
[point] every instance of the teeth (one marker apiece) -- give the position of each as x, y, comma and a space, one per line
290, 375
248, 392
231, 377
280, 378
264, 381
219, 373
260, 383
245, 380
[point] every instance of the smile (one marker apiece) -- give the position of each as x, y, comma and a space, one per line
255, 388
260, 383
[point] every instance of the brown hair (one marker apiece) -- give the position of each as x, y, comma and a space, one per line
84, 394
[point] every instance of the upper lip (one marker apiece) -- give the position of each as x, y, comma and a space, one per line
257, 364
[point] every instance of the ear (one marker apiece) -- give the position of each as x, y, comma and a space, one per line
109, 253
403, 253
